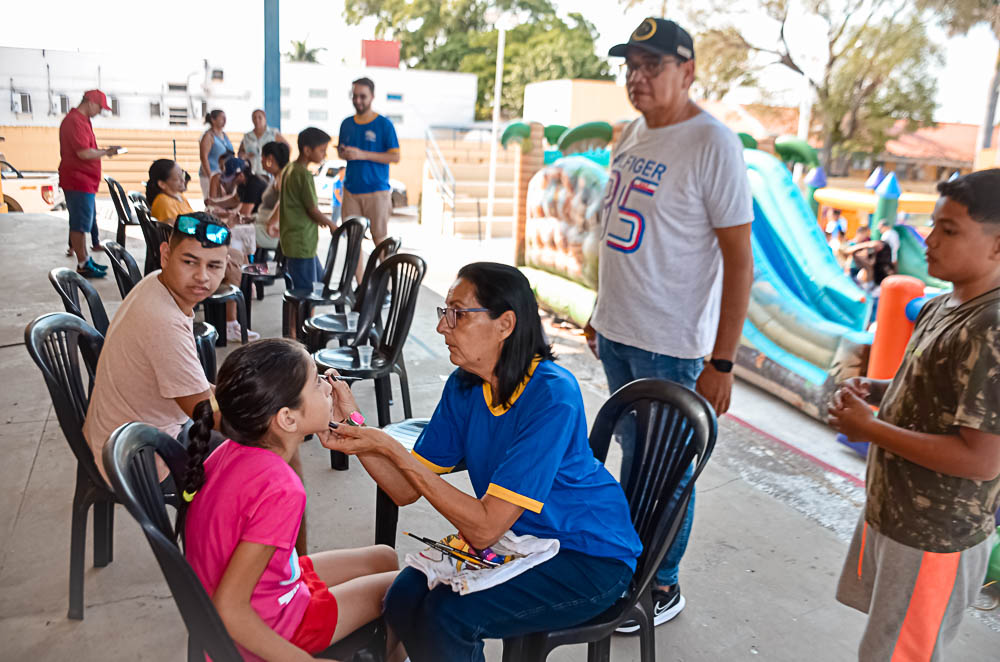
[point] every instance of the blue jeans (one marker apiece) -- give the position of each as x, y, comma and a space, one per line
304, 271
82, 211
443, 626
623, 364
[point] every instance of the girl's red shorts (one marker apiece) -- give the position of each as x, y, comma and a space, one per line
315, 632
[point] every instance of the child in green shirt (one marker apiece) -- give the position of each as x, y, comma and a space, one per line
300, 216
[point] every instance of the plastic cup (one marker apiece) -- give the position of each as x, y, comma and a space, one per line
317, 288
352, 322
365, 355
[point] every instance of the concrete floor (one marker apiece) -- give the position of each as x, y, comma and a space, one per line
759, 575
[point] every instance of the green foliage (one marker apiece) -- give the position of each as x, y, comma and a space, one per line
453, 35
722, 63
960, 16
302, 53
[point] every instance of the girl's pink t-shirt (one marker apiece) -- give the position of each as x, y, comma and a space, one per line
251, 494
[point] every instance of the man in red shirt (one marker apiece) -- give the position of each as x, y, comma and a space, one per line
80, 175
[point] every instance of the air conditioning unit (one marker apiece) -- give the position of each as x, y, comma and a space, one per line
21, 103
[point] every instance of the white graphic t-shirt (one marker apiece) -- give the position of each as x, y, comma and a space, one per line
660, 264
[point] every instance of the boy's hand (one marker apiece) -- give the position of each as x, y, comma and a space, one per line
850, 415
859, 386
349, 153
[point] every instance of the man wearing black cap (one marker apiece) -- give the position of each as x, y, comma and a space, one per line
675, 261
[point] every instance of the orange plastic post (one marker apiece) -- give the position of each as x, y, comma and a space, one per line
893, 330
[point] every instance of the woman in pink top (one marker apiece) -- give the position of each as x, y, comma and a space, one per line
247, 505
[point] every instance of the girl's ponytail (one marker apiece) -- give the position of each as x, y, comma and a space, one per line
198, 448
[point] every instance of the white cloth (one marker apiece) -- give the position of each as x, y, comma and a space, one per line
891, 237
252, 145
531, 551
660, 274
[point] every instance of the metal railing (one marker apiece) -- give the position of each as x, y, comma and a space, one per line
439, 169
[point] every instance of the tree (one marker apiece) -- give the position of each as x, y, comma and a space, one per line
960, 16
873, 67
455, 36
724, 65
301, 53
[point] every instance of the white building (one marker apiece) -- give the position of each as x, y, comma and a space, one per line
146, 92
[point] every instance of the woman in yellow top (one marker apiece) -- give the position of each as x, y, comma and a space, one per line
165, 195
165, 191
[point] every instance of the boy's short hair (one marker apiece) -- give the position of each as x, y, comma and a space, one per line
277, 151
979, 192
367, 82
312, 137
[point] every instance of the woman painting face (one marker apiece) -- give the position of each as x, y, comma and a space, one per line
475, 341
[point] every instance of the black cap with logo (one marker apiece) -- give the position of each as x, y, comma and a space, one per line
658, 35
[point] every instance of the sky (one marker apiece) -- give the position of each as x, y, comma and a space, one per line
225, 31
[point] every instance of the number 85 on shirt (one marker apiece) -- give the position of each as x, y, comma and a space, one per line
624, 229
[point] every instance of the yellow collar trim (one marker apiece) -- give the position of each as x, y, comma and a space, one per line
501, 410
358, 119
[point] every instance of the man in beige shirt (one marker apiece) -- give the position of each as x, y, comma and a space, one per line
149, 369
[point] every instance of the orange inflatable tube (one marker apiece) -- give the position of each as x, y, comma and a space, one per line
892, 330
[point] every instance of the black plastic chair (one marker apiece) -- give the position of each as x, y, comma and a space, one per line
56, 342
401, 274
138, 200
215, 311
123, 265
252, 279
298, 304
205, 337
130, 460
122, 207
321, 329
674, 428
155, 233
68, 285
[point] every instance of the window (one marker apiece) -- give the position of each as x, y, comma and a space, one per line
317, 94
64, 104
285, 92
116, 110
286, 114
394, 97
22, 103
395, 119
178, 116
204, 108
217, 75
177, 87
318, 115
154, 109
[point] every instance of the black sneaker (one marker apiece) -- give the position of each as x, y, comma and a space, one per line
666, 605
87, 271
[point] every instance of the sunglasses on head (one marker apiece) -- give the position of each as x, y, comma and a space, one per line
209, 234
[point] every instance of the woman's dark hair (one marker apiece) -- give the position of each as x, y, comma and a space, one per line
979, 192
278, 151
312, 137
499, 288
211, 115
253, 384
159, 171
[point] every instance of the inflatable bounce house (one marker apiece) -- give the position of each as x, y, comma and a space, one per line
805, 328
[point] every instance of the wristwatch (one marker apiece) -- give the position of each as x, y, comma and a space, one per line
722, 365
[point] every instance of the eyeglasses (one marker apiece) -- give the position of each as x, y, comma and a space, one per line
648, 68
209, 234
452, 315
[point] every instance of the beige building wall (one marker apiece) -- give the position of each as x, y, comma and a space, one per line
573, 102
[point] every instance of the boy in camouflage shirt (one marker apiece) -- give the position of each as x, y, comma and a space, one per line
920, 550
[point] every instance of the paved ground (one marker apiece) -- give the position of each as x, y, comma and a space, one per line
759, 575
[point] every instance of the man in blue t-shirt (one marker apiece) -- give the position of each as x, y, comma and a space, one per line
368, 143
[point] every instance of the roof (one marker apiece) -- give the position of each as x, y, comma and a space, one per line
946, 143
